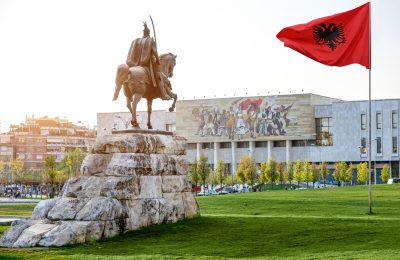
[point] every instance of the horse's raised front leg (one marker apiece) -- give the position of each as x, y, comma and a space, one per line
175, 97
136, 99
149, 108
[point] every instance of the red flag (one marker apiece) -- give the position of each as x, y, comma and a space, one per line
337, 40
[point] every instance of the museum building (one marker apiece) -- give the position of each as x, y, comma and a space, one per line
285, 128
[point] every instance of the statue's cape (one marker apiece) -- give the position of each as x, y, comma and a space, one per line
140, 52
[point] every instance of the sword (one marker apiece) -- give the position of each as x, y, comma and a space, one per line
154, 30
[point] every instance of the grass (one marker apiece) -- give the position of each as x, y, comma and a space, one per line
16, 209
301, 224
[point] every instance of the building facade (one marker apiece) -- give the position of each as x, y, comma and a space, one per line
160, 120
32, 140
285, 128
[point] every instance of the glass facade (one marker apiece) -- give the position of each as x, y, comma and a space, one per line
324, 131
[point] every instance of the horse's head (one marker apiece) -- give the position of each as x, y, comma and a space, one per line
167, 64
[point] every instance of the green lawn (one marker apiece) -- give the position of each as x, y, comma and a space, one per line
16, 209
301, 224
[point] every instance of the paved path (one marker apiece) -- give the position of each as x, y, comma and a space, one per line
11, 201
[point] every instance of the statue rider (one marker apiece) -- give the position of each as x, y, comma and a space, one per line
143, 52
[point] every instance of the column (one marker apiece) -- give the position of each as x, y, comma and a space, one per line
269, 148
233, 164
288, 146
252, 145
197, 151
216, 149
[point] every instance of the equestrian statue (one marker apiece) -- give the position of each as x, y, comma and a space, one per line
145, 75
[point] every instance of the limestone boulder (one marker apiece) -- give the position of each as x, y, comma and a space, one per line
130, 181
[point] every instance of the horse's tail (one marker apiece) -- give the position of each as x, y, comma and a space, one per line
120, 78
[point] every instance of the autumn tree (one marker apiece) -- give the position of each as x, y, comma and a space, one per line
51, 172
362, 172
306, 172
220, 172
289, 173
323, 171
2, 172
281, 173
348, 173
297, 172
313, 174
193, 175
271, 172
385, 173
203, 170
247, 170
16, 169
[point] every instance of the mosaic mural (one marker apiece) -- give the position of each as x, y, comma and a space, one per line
272, 117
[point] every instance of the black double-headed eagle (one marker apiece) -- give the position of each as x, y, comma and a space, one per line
331, 35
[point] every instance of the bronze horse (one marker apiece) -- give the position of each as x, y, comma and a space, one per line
137, 86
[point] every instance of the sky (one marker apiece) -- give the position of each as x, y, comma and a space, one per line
59, 57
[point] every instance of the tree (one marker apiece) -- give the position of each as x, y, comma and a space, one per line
247, 170
271, 172
289, 173
385, 173
297, 173
323, 171
306, 172
51, 171
220, 172
339, 172
263, 178
193, 175
2, 172
348, 174
314, 174
362, 172
16, 168
281, 173
203, 170
72, 161
230, 179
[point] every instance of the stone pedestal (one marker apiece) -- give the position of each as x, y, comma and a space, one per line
130, 180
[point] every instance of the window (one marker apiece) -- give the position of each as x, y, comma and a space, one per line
379, 120
280, 143
324, 131
363, 147
298, 143
170, 127
394, 120
192, 146
225, 145
207, 145
394, 144
242, 145
379, 145
363, 121
4, 149
260, 144
39, 157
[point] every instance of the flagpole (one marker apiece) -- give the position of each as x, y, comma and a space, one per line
370, 116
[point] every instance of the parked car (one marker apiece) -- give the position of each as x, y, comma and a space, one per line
393, 180
207, 193
226, 190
